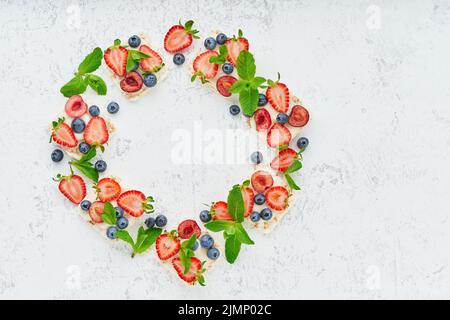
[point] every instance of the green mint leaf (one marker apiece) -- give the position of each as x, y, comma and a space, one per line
97, 84
257, 82
130, 63
87, 169
232, 248
150, 237
239, 86
245, 65
242, 235
222, 57
109, 214
75, 86
295, 166
188, 244
88, 156
185, 260
291, 182
139, 238
92, 61
219, 225
236, 204
125, 236
248, 99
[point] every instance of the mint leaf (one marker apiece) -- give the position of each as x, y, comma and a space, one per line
125, 236
150, 237
109, 214
248, 99
295, 166
257, 82
91, 62
245, 65
219, 225
291, 182
97, 84
222, 57
239, 86
232, 248
236, 203
88, 156
242, 235
87, 169
75, 86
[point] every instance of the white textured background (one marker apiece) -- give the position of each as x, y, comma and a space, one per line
372, 218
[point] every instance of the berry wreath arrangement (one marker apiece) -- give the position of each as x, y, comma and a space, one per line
225, 65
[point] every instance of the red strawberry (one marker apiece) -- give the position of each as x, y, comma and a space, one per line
299, 116
75, 107
116, 59
248, 196
73, 188
204, 68
187, 228
96, 211
63, 134
224, 84
278, 135
277, 198
194, 273
107, 189
261, 181
152, 64
132, 82
284, 159
96, 132
219, 211
262, 119
278, 95
167, 245
135, 203
235, 46
179, 37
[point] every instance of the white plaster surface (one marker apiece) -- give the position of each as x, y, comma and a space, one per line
372, 219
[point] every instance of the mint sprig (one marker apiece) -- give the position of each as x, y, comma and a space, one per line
109, 214
186, 252
135, 56
144, 239
295, 166
222, 57
85, 166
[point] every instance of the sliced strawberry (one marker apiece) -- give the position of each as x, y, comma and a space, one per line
203, 67
249, 202
187, 228
96, 132
278, 96
262, 119
224, 84
152, 64
278, 135
75, 107
235, 46
284, 159
299, 116
116, 59
179, 37
107, 189
219, 211
62, 134
261, 181
277, 198
167, 245
132, 82
96, 211
73, 188
134, 202
194, 270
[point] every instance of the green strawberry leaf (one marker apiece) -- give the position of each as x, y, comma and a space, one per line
92, 61
97, 84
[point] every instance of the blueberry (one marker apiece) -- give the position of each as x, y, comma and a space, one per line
260, 199
178, 59
195, 246
262, 100
111, 232
150, 222
100, 166
210, 43
282, 118
119, 212
234, 109
206, 241
122, 222
150, 80
85, 205
255, 216
134, 41
57, 155
161, 220
205, 216
113, 107
78, 125
221, 38
84, 147
227, 68
94, 110
256, 157
302, 143
266, 214
213, 253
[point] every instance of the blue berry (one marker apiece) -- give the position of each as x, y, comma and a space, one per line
78, 125
113, 107
213, 253
227, 68
84, 147
150, 222
266, 214
119, 212
100, 166
206, 241
122, 222
134, 41
256, 157
259, 198
234, 110
302, 143
195, 246
221, 38
161, 220
111, 232
282, 118
205, 216
150, 80
94, 111
57, 155
255, 216
85, 205
178, 59
262, 100
210, 43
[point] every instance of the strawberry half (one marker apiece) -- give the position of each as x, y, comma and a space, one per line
107, 189
194, 273
277, 198
135, 203
262, 119
116, 58
261, 181
96, 211
167, 245
187, 228
152, 64
235, 46
75, 107
204, 68
73, 188
179, 37
224, 84
278, 135
62, 134
299, 116
219, 211
249, 202
132, 82
96, 132
278, 95
283, 160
